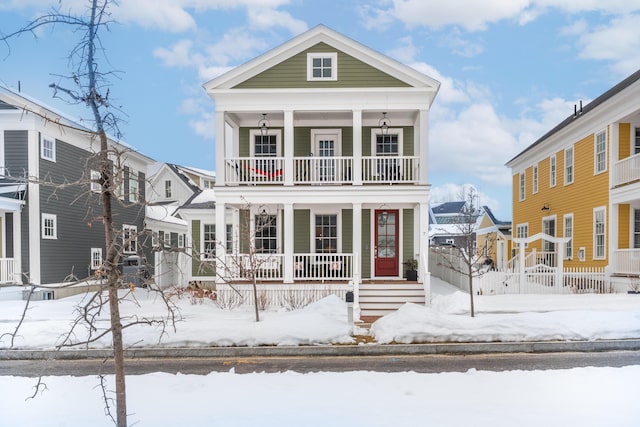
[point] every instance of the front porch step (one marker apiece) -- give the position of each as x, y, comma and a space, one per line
380, 299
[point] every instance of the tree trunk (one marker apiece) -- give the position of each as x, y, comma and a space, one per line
472, 309
255, 297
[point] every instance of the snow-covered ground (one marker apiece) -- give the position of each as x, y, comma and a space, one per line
581, 396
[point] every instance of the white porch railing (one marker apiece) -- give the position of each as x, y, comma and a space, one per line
252, 170
323, 266
626, 261
244, 266
626, 170
289, 296
390, 169
323, 170
9, 270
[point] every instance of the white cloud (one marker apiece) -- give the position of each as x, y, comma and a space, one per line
450, 92
451, 192
405, 52
266, 18
166, 15
617, 42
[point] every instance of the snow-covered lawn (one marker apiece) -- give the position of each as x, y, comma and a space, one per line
499, 318
582, 396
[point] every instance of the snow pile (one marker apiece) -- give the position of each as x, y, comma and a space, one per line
413, 323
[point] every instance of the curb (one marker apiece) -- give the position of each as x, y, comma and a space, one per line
334, 350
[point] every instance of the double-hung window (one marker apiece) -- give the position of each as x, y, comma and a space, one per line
48, 148
96, 258
129, 239
552, 171
167, 189
534, 190
208, 241
96, 187
266, 234
599, 233
134, 190
522, 187
326, 234
568, 166
49, 226
322, 66
568, 232
600, 155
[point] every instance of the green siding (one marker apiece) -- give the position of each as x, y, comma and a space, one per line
245, 225
366, 244
292, 73
407, 236
302, 225
199, 268
347, 231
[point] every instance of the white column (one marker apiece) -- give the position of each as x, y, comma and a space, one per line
422, 145
421, 219
613, 239
614, 150
523, 277
357, 147
17, 244
288, 148
33, 199
560, 269
289, 231
221, 233
220, 150
357, 257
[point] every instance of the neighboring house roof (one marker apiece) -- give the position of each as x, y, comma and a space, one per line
203, 200
164, 213
312, 37
176, 169
19, 99
583, 111
448, 208
493, 218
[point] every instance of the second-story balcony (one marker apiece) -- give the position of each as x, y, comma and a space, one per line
310, 170
626, 171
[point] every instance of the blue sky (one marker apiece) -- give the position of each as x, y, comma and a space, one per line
510, 70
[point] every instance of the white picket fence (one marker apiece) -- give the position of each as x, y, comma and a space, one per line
445, 264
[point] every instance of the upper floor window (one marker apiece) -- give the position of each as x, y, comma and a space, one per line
322, 66
637, 142
134, 190
96, 258
49, 226
207, 183
167, 189
535, 179
600, 155
48, 148
522, 187
96, 187
552, 171
568, 166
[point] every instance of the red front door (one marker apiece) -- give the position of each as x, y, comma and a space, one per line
386, 243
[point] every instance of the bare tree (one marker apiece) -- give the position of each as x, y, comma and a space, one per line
87, 84
467, 259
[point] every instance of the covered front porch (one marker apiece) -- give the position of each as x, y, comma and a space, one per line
11, 204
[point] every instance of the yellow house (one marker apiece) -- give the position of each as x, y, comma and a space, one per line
493, 238
581, 180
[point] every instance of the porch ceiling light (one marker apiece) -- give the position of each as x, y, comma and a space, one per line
264, 124
384, 123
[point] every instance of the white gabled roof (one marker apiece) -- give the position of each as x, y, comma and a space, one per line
310, 38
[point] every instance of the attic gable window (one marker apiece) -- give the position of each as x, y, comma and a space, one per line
322, 66
48, 148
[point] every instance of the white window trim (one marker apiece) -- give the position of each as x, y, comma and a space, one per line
522, 186
573, 169
168, 189
334, 65
553, 171
602, 209
53, 218
51, 158
534, 183
564, 234
333, 132
391, 131
312, 232
256, 132
133, 229
595, 152
2, 169
96, 265
181, 240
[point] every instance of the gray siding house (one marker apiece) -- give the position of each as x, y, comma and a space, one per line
50, 213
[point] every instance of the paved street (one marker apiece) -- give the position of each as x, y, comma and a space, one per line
396, 363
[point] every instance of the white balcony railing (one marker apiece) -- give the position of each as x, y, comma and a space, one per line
627, 261
323, 170
253, 170
390, 169
626, 170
